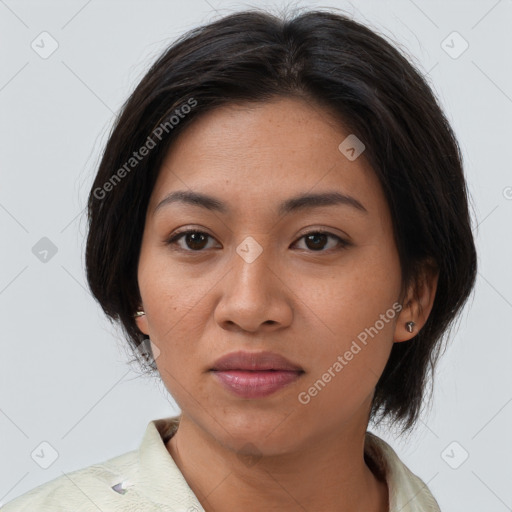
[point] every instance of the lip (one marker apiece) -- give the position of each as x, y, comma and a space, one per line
242, 360
255, 374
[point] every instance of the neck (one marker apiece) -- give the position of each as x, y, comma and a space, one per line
328, 474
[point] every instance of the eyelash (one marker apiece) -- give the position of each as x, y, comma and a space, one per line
342, 244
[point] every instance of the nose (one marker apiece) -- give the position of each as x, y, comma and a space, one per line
254, 297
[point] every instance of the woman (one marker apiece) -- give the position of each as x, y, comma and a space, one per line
280, 224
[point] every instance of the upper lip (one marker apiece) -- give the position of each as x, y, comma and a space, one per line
254, 361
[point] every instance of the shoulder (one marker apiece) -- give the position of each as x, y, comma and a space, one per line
143, 479
79, 490
407, 491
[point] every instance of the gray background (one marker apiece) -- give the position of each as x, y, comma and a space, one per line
64, 375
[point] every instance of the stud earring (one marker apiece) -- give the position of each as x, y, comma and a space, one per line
410, 326
139, 313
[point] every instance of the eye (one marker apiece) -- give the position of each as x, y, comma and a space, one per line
196, 241
193, 239
316, 240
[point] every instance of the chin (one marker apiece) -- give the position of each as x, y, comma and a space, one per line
267, 432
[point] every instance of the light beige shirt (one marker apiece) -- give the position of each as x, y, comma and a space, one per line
148, 480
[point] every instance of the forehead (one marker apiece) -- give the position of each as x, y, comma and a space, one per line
263, 153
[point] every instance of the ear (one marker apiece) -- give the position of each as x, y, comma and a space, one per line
142, 322
418, 302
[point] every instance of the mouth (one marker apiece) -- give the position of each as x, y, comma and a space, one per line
255, 375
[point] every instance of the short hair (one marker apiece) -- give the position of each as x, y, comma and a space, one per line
330, 60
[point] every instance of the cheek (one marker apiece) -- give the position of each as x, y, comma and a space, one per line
354, 295
347, 366
357, 308
170, 305
176, 324
172, 297
179, 306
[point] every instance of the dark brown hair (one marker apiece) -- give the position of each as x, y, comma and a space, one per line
326, 59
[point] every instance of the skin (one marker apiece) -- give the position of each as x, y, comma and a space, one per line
305, 301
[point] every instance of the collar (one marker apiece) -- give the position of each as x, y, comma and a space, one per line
159, 476
162, 481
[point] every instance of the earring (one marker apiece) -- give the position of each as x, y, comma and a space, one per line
139, 313
410, 326
148, 352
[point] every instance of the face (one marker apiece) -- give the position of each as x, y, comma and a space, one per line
317, 282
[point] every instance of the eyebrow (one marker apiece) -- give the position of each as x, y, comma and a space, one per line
297, 203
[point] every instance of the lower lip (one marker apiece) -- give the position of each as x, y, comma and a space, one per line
256, 384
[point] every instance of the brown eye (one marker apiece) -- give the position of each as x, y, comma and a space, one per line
194, 240
317, 240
